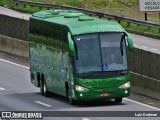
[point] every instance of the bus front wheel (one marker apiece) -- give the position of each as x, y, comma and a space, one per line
118, 100
71, 101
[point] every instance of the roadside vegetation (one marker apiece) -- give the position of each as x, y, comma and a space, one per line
126, 8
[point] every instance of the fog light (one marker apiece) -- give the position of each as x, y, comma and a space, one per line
126, 91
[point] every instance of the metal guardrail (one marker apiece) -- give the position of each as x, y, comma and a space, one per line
90, 12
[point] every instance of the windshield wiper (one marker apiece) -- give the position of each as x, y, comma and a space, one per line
76, 51
110, 73
123, 72
121, 45
90, 73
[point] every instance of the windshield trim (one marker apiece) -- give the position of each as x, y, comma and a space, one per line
78, 74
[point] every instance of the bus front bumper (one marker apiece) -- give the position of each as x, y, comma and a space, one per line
101, 94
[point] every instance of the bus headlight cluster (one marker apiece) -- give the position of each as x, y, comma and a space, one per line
80, 88
126, 85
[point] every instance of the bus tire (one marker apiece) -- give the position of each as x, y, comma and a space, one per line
43, 88
118, 100
71, 101
46, 92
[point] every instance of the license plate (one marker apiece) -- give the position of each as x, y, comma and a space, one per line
104, 94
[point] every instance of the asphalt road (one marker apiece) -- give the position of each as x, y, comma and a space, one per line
141, 42
146, 43
18, 94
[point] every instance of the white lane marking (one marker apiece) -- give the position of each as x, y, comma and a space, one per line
135, 45
85, 119
142, 104
154, 49
14, 63
2, 88
145, 47
44, 104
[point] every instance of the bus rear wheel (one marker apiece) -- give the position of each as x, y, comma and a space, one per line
118, 100
41, 88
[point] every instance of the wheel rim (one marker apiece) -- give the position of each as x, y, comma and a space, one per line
41, 87
44, 88
69, 97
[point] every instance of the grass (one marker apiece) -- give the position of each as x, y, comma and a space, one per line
20, 7
127, 8
140, 28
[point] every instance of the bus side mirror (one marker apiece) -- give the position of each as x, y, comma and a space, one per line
71, 45
130, 42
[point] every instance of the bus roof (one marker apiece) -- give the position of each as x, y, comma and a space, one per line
78, 22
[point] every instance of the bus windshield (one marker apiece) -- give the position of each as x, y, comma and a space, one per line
100, 52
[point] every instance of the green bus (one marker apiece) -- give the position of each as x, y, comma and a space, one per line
78, 56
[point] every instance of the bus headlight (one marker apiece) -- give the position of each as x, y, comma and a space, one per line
80, 88
126, 85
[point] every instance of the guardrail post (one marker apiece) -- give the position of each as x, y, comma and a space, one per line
138, 26
1, 4
128, 24
119, 21
145, 16
149, 28
99, 16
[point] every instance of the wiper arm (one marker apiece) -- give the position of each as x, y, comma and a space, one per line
121, 45
76, 51
90, 73
124, 72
